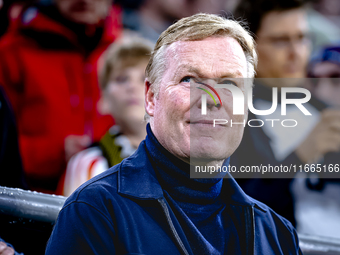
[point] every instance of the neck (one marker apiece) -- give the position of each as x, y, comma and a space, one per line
174, 174
135, 132
206, 162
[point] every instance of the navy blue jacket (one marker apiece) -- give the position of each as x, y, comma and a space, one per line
123, 211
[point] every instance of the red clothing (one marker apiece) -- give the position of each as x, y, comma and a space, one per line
51, 82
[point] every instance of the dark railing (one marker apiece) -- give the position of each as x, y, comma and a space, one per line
27, 218
38, 212
30, 204
315, 245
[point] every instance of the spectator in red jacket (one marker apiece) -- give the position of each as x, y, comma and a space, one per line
48, 68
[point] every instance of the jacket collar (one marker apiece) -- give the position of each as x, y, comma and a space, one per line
237, 196
137, 178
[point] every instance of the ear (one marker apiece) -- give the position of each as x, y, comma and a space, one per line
149, 98
103, 106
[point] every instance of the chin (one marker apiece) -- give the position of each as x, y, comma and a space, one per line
212, 150
136, 120
134, 115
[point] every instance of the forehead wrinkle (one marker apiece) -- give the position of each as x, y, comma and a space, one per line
175, 49
228, 70
213, 73
171, 54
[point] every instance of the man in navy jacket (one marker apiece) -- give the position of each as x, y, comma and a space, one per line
148, 204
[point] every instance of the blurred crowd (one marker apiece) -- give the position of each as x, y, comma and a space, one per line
72, 93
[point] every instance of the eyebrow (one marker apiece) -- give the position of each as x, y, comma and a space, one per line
198, 71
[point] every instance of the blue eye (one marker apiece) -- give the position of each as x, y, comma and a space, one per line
186, 79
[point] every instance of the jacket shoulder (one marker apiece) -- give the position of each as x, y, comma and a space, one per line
259, 206
274, 230
100, 187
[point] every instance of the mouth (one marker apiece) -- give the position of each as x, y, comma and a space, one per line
206, 123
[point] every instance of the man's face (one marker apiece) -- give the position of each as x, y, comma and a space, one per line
283, 45
84, 11
177, 120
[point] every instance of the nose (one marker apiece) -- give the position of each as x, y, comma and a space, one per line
297, 47
294, 50
211, 104
207, 103
207, 95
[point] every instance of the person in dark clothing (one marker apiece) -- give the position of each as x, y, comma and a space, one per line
283, 46
148, 204
12, 174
